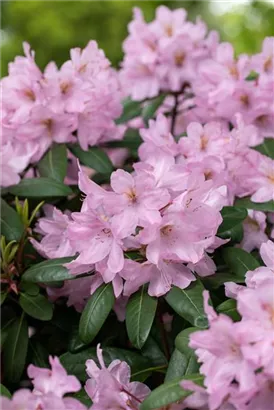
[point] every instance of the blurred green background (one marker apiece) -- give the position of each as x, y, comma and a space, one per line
53, 27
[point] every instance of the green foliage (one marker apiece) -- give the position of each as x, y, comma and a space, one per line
40, 188
94, 158
140, 312
48, 271
54, 163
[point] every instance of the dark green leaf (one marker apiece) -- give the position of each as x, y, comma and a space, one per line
54, 163
235, 234
140, 312
131, 140
188, 303
95, 313
75, 363
170, 392
229, 308
188, 363
152, 351
151, 107
11, 225
40, 188
94, 158
83, 397
131, 109
75, 343
266, 148
258, 206
3, 296
181, 365
215, 281
252, 76
48, 271
37, 306
39, 354
4, 391
239, 261
29, 287
232, 216
15, 350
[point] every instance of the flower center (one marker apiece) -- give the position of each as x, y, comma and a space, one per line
168, 30
65, 87
29, 94
48, 124
166, 230
179, 58
131, 194
234, 71
203, 143
268, 64
245, 100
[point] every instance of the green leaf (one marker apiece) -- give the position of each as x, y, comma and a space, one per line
75, 363
131, 109
37, 306
169, 392
258, 206
3, 296
252, 76
188, 303
4, 391
83, 397
188, 362
152, 351
239, 261
11, 225
48, 271
39, 354
94, 158
151, 107
40, 188
140, 312
131, 140
15, 351
215, 281
54, 163
95, 313
229, 308
180, 366
75, 343
266, 148
232, 216
29, 287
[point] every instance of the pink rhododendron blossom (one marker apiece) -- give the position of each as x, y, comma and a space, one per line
111, 386
53, 227
254, 230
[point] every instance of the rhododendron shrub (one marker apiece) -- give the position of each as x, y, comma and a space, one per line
137, 215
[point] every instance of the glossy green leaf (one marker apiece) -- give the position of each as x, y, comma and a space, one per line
252, 76
181, 365
29, 288
131, 140
95, 312
188, 363
266, 148
232, 217
48, 271
75, 363
153, 352
239, 261
257, 206
4, 391
83, 397
12, 227
229, 308
75, 343
94, 158
40, 188
168, 393
131, 109
188, 303
15, 350
140, 312
54, 163
38, 353
3, 296
37, 306
151, 107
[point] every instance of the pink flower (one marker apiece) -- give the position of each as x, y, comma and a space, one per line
54, 381
263, 182
111, 386
54, 228
254, 230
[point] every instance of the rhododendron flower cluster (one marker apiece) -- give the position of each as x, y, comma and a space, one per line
137, 215
58, 105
